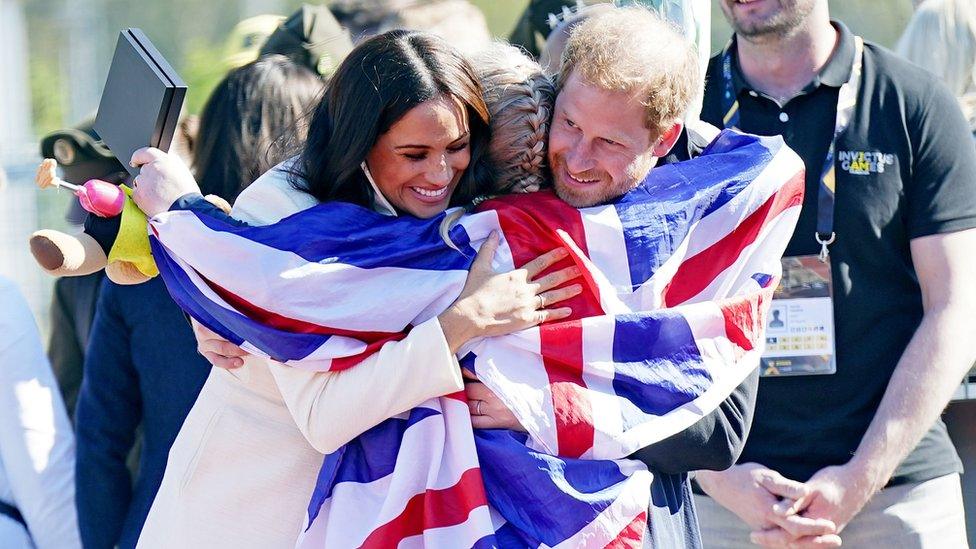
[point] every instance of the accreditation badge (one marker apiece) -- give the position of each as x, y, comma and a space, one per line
800, 326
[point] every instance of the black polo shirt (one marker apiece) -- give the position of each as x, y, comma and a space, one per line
905, 168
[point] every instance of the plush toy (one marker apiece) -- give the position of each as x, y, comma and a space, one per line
114, 239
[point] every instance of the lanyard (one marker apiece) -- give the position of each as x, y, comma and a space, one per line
846, 101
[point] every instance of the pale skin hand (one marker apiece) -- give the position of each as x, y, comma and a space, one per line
836, 489
940, 353
163, 178
493, 304
754, 493
217, 350
46, 173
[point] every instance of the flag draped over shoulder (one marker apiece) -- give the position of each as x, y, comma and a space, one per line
678, 275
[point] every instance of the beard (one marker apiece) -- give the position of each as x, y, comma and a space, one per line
603, 191
781, 22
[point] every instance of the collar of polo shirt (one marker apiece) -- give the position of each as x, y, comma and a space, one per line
835, 73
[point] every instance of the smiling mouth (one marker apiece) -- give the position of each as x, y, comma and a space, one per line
580, 180
744, 1
430, 195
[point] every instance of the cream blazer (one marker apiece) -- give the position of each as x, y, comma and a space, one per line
244, 464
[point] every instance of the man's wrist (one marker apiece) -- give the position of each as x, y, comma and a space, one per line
870, 470
706, 480
457, 329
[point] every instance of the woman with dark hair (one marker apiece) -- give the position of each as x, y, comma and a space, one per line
359, 114
402, 130
131, 383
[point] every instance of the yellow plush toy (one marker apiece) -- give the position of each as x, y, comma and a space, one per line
115, 236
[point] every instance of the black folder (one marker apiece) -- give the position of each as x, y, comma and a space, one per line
142, 99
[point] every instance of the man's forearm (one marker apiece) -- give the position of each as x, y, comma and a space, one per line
930, 369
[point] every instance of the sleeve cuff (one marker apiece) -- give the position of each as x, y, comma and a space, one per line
189, 201
196, 202
445, 371
942, 227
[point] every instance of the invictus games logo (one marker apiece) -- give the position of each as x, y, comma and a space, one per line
864, 162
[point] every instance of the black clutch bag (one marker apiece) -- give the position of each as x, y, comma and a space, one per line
142, 99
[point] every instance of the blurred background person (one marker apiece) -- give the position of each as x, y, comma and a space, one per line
941, 38
82, 156
459, 22
256, 115
37, 458
312, 36
130, 379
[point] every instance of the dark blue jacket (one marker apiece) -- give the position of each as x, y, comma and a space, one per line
141, 369
713, 442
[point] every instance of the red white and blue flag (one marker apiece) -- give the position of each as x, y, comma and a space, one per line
678, 277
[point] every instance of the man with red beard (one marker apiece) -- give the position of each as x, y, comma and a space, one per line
626, 81
891, 204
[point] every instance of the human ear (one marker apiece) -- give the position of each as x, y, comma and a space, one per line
667, 139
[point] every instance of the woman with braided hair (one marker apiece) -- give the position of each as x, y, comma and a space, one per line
520, 100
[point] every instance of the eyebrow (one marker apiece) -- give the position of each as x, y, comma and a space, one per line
411, 146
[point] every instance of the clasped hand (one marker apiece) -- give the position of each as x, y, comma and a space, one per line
784, 513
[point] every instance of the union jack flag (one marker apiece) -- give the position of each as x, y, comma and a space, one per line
678, 277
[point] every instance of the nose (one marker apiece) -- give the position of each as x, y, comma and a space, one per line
579, 157
440, 173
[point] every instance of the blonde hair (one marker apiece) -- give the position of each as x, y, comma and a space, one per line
633, 50
520, 100
941, 37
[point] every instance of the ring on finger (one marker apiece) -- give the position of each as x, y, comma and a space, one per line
477, 408
542, 301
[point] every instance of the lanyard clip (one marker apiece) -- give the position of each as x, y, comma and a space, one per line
824, 252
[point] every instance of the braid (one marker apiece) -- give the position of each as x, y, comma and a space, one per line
520, 99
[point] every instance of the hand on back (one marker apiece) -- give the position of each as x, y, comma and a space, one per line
493, 304
217, 350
